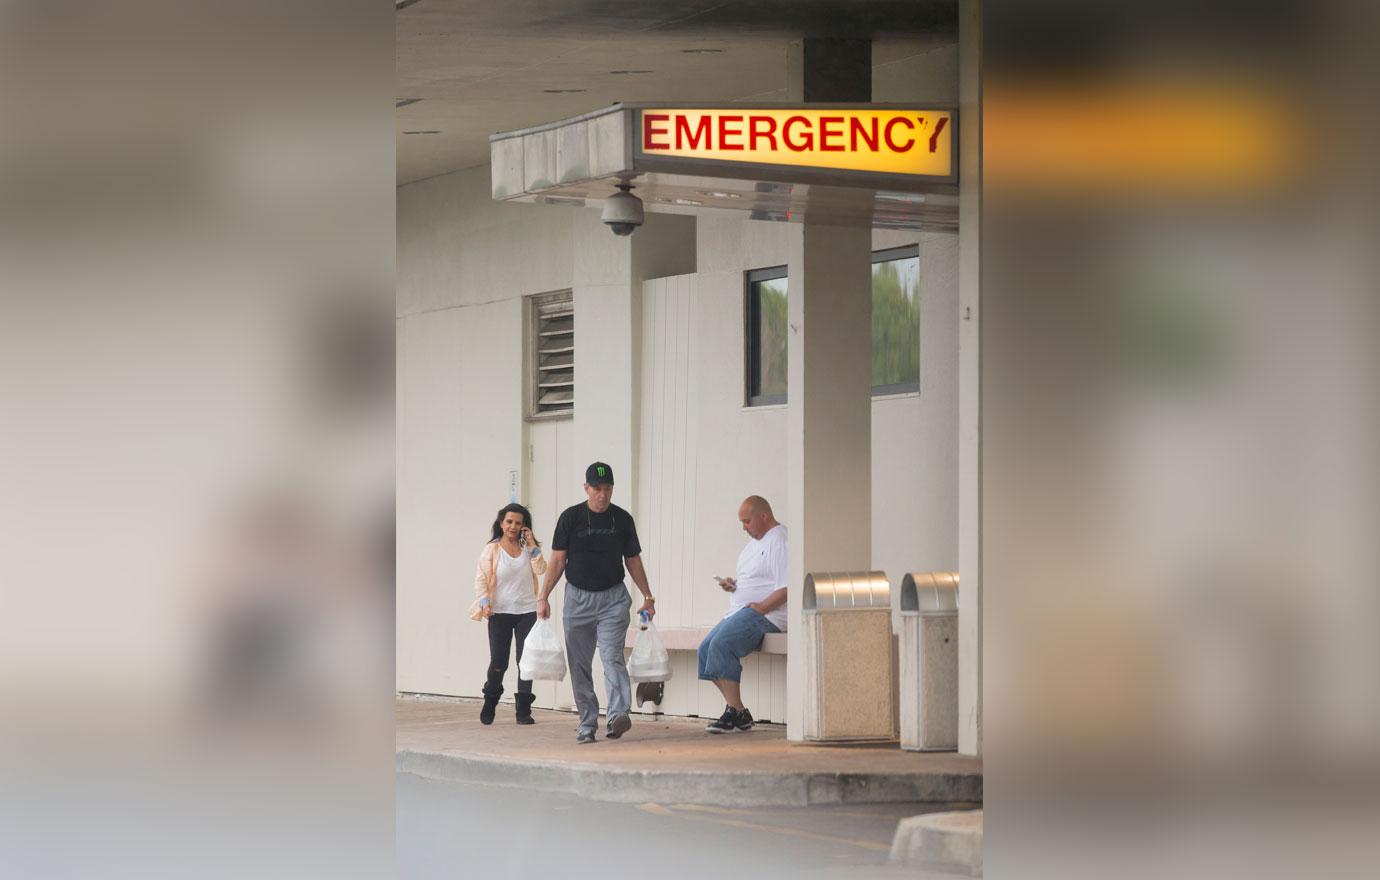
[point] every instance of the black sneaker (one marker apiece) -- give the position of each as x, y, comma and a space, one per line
744, 721
618, 725
726, 723
584, 736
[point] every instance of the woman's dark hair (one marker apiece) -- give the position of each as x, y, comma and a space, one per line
520, 511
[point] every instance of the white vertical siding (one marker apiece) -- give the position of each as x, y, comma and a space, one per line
548, 489
667, 510
673, 433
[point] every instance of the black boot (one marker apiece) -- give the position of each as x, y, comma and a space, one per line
491, 694
524, 708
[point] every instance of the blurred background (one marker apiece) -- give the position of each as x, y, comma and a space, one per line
196, 260
1180, 426
1180, 493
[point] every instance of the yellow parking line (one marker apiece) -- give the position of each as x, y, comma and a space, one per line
655, 809
706, 809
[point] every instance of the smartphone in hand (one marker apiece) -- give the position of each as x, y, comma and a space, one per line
726, 584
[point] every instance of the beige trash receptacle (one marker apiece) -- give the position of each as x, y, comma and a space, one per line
849, 661
929, 661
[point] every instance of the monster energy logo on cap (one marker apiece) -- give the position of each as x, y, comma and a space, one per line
599, 474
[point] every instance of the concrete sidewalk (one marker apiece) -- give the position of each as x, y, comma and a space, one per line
670, 761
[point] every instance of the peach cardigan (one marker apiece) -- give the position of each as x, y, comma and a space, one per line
486, 577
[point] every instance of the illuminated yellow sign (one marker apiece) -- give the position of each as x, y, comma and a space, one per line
911, 142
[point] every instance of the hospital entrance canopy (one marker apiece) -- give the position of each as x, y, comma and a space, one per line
887, 166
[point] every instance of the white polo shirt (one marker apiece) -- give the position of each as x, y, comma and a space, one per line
761, 571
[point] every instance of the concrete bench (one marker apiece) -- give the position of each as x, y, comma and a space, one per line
688, 638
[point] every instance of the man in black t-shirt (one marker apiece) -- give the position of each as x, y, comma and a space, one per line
591, 545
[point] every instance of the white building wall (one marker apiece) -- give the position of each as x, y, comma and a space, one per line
703, 450
915, 436
659, 396
458, 247
464, 264
459, 432
970, 492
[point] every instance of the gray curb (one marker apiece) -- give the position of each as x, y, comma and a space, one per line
947, 842
603, 783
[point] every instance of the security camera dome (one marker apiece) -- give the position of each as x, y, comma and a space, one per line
623, 211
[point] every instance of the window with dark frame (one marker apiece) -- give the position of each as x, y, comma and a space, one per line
895, 327
552, 348
765, 316
896, 320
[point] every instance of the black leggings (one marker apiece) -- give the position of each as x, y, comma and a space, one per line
502, 628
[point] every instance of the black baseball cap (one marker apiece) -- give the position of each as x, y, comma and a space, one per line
599, 473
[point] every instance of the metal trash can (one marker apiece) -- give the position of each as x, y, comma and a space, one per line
850, 678
929, 661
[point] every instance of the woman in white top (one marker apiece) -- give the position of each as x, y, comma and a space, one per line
505, 586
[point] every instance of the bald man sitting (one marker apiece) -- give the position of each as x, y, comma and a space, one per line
756, 606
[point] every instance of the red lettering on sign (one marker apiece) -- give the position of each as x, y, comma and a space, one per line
648, 131
808, 140
825, 132
799, 134
938, 127
910, 142
725, 132
684, 135
856, 129
761, 127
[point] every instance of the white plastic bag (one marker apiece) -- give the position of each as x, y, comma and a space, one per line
649, 660
543, 658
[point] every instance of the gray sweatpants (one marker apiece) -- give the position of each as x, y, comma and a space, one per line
601, 618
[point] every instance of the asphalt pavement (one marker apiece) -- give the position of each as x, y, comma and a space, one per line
459, 829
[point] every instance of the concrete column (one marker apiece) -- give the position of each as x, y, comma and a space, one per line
824, 70
970, 379
829, 373
829, 421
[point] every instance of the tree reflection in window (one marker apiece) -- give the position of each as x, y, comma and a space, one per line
895, 321
773, 337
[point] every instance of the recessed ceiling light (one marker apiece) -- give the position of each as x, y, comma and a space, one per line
403, 102
564, 91
690, 202
630, 72
702, 51
426, 131
719, 195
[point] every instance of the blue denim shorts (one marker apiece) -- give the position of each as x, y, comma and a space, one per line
732, 639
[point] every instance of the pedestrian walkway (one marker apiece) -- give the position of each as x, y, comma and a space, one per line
671, 761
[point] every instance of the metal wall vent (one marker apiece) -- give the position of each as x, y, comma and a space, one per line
553, 354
